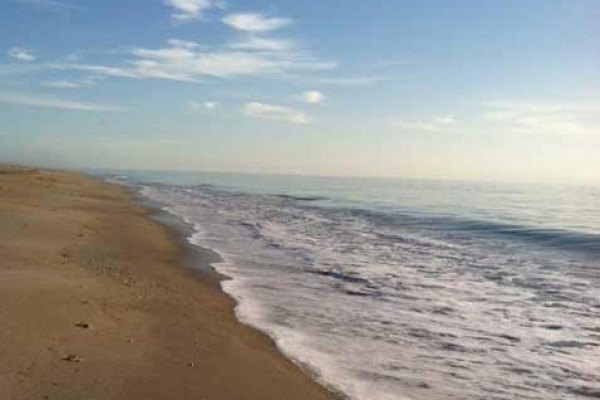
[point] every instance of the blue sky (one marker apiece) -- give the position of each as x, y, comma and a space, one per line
462, 89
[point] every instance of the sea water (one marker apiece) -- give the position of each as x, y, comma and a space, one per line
404, 289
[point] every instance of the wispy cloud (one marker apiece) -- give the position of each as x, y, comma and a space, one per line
189, 62
190, 10
98, 69
21, 54
254, 22
62, 85
312, 96
264, 44
210, 105
516, 117
205, 105
432, 125
53, 102
544, 117
73, 84
271, 112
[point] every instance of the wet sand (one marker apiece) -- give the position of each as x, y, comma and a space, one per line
95, 304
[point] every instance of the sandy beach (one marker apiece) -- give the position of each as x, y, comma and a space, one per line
95, 305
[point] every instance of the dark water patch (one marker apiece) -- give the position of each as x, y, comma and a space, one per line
358, 293
458, 376
421, 333
407, 382
586, 391
443, 310
485, 339
557, 238
455, 364
254, 228
553, 304
520, 370
301, 198
265, 287
571, 344
339, 275
498, 277
430, 286
580, 242
510, 338
453, 347
553, 327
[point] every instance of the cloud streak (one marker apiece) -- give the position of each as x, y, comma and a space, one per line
189, 62
98, 69
21, 54
312, 97
254, 22
544, 117
431, 125
264, 44
271, 112
62, 85
190, 10
205, 105
72, 84
53, 102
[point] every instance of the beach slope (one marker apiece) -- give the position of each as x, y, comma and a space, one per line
94, 305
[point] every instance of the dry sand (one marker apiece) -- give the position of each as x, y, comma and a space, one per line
94, 305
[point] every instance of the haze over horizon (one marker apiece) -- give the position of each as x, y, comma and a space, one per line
418, 89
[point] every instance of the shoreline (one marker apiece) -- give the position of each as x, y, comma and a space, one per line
101, 304
196, 259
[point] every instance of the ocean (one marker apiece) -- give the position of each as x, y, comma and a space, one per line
407, 289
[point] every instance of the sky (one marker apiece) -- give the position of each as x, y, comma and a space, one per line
462, 89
